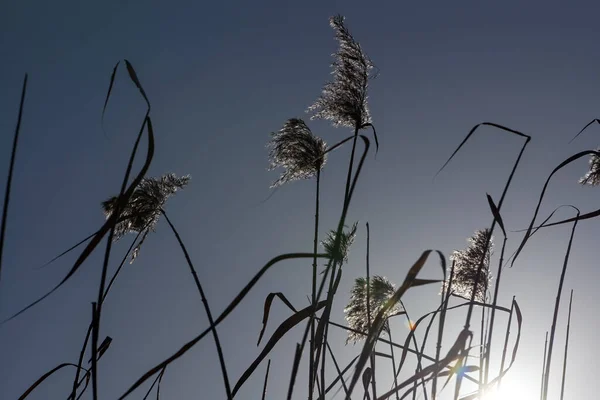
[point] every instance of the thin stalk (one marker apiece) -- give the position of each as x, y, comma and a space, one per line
76, 382
314, 288
544, 368
493, 315
11, 167
564, 374
482, 350
264, 392
337, 369
556, 307
389, 332
94, 350
206, 307
445, 299
373, 384
504, 350
116, 212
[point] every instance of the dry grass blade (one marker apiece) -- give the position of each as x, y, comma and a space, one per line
235, 302
11, 171
46, 376
537, 209
528, 138
110, 87
70, 249
285, 326
264, 392
136, 81
585, 127
380, 318
268, 302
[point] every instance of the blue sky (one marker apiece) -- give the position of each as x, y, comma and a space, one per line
221, 77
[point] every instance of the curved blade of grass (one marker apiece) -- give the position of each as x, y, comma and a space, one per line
108, 225
380, 318
82, 241
528, 138
46, 376
585, 127
110, 87
235, 302
136, 81
592, 214
11, 168
268, 302
374, 136
277, 335
205, 304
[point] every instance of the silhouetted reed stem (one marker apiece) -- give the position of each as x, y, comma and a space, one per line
556, 307
505, 349
206, 307
444, 306
564, 374
493, 315
11, 167
544, 368
373, 383
314, 288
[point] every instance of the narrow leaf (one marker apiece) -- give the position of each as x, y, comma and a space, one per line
277, 335
268, 302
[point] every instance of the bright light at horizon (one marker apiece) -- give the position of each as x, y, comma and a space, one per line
507, 391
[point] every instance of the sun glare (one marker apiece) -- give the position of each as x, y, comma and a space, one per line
506, 392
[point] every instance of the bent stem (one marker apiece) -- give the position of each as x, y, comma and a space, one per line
314, 288
206, 307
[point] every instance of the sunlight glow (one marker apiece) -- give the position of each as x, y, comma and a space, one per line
507, 391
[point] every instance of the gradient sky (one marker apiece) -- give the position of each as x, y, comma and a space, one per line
221, 77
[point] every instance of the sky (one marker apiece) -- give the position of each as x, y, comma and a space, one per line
221, 77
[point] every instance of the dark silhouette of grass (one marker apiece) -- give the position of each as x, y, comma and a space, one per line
344, 102
11, 168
